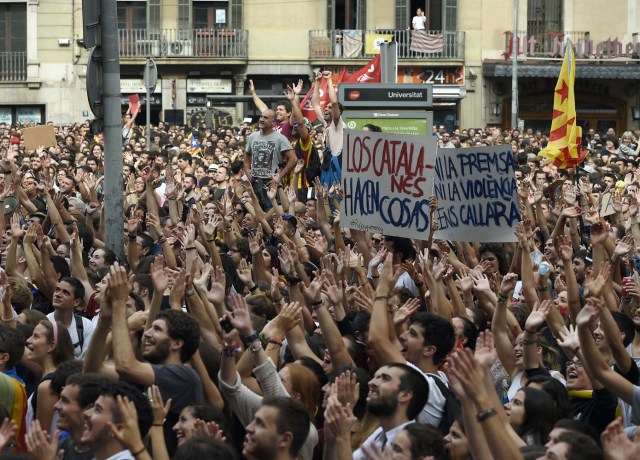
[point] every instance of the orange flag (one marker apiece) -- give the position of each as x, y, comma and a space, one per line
565, 139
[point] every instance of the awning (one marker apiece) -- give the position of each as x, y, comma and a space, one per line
621, 71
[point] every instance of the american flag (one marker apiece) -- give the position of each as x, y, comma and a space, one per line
423, 42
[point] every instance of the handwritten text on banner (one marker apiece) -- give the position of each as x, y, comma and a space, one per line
387, 180
477, 194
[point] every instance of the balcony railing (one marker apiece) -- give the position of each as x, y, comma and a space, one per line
13, 66
353, 44
173, 43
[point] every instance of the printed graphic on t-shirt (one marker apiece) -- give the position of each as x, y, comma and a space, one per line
262, 156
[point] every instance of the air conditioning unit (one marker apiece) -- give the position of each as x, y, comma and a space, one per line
147, 48
179, 48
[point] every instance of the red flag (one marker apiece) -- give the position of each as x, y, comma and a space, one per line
306, 106
370, 73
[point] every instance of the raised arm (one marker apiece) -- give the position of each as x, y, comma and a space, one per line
261, 106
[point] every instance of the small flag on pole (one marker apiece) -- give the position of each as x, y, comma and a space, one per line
565, 138
194, 146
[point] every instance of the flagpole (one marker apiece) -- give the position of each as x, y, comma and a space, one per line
514, 68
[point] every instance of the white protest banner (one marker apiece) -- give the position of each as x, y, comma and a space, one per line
477, 194
387, 180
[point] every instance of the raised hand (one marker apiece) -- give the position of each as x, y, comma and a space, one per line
406, 311
127, 431
564, 247
40, 445
244, 272
159, 409
485, 353
589, 313
568, 339
616, 443
538, 316
240, 319
218, 286
508, 284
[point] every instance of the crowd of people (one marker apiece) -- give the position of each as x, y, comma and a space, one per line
244, 321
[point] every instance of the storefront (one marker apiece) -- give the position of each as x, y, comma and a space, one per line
23, 114
131, 86
222, 114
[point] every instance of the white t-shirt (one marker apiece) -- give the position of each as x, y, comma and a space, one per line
419, 22
78, 352
434, 409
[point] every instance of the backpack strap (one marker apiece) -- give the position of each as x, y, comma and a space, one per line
80, 331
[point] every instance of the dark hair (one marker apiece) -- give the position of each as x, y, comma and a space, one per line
12, 343
210, 414
581, 447
479, 318
90, 384
182, 326
293, 417
438, 332
496, 250
625, 325
110, 257
139, 399
144, 280
61, 266
373, 128
286, 104
403, 246
576, 426
425, 441
469, 331
539, 416
205, 448
62, 373
413, 381
64, 347
78, 287
139, 303
556, 390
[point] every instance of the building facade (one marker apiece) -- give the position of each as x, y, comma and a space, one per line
213, 47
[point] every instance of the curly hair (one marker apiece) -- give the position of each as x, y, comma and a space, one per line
182, 326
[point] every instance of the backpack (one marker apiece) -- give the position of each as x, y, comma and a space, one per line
312, 169
452, 409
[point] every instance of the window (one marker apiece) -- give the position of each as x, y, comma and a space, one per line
13, 27
210, 15
346, 14
132, 15
544, 16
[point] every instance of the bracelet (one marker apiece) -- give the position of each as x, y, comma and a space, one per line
255, 286
161, 241
249, 340
375, 276
419, 285
132, 237
626, 299
190, 248
211, 240
157, 424
381, 297
542, 289
275, 340
135, 454
530, 333
7, 320
232, 351
501, 298
316, 305
485, 414
529, 341
188, 293
257, 348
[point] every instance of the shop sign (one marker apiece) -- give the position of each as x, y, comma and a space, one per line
209, 85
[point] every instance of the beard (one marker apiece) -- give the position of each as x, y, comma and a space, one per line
159, 354
383, 406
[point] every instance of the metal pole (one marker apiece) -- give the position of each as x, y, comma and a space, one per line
389, 62
148, 88
114, 212
514, 69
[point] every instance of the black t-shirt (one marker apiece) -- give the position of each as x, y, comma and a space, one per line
182, 384
633, 375
70, 452
597, 411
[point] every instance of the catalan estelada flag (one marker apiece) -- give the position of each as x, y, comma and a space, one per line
565, 139
194, 146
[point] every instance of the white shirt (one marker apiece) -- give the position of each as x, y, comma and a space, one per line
378, 438
78, 352
419, 22
432, 412
122, 455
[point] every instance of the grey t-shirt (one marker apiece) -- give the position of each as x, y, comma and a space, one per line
266, 153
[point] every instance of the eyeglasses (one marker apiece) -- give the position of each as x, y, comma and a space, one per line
376, 240
573, 363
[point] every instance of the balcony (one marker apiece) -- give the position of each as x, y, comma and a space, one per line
13, 67
364, 44
227, 44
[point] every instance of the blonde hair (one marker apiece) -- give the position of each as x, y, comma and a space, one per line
306, 384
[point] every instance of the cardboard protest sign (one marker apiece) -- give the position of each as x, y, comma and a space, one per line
38, 136
477, 194
606, 204
387, 180
134, 104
